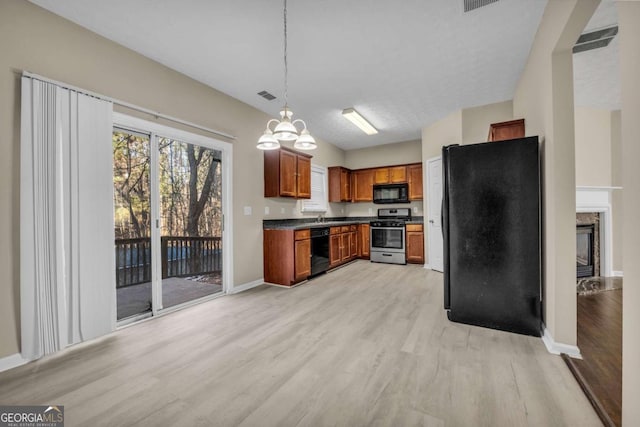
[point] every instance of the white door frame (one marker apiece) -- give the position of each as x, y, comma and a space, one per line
428, 223
145, 126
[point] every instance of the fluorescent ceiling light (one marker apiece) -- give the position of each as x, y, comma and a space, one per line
355, 118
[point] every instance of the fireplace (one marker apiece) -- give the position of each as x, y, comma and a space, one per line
588, 244
584, 250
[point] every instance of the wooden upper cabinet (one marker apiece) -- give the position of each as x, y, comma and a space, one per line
397, 174
288, 170
303, 177
339, 184
506, 130
287, 173
390, 175
363, 185
415, 181
357, 185
345, 185
381, 176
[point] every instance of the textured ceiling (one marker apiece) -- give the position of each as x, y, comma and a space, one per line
401, 64
597, 72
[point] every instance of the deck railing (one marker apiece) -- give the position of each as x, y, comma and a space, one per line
181, 256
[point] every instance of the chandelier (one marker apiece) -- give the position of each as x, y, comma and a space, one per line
284, 129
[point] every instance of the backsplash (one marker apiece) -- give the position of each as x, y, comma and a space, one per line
371, 209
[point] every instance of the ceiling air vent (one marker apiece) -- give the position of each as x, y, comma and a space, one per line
595, 39
266, 95
470, 5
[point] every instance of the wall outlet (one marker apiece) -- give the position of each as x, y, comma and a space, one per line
415, 209
370, 211
341, 210
247, 210
282, 210
266, 210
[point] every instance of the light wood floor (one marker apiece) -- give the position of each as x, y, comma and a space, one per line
368, 344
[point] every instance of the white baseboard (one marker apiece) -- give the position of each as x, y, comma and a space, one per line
554, 347
246, 286
11, 362
616, 273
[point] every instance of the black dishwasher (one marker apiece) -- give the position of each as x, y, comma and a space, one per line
319, 250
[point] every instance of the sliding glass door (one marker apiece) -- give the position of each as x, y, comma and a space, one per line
168, 217
191, 221
132, 220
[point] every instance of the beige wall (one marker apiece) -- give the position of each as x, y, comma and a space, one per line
544, 98
384, 155
476, 120
35, 40
629, 23
446, 131
593, 147
616, 181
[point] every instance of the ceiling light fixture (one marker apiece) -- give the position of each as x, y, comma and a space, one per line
354, 117
285, 129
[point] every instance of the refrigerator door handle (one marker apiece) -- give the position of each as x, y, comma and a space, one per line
444, 211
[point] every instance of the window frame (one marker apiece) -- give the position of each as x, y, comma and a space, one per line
321, 204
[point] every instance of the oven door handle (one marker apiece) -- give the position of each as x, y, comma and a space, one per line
387, 228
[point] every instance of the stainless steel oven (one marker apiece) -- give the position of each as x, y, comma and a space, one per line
388, 236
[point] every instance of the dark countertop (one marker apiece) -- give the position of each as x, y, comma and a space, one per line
302, 223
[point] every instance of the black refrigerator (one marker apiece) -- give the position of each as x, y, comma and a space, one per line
491, 231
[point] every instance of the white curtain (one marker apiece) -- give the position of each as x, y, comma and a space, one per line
67, 279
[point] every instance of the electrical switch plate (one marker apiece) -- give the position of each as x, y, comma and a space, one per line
247, 210
282, 210
415, 209
266, 210
370, 211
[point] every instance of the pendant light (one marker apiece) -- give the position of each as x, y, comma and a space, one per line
284, 129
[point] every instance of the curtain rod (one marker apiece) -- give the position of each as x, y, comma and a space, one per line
125, 104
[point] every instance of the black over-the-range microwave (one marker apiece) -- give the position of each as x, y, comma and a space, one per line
391, 193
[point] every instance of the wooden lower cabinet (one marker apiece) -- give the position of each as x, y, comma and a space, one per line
363, 241
302, 253
415, 243
353, 239
286, 256
287, 253
335, 256
345, 246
